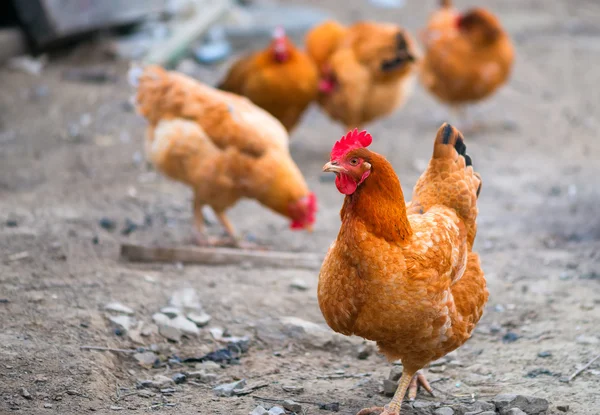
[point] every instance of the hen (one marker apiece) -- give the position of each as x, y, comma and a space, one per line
222, 146
280, 79
404, 276
467, 56
367, 70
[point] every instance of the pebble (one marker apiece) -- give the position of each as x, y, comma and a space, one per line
276, 410
107, 224
584, 339
186, 299
200, 319
203, 376
169, 332
208, 366
119, 308
146, 394
562, 407
544, 354
145, 359
444, 411
11, 223
423, 404
510, 337
170, 312
116, 408
48, 405
160, 319
364, 351
123, 323
531, 405
25, 394
259, 410
395, 373
292, 406
185, 325
299, 285
293, 389
161, 382
389, 387
227, 389
168, 391
514, 411
179, 378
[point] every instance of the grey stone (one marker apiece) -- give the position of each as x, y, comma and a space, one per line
423, 404
259, 410
170, 312
227, 389
48, 405
123, 322
208, 366
299, 285
389, 387
146, 394
515, 411
203, 376
444, 411
528, 404
25, 394
395, 373
119, 308
161, 382
160, 319
562, 407
276, 410
145, 359
293, 389
170, 332
179, 378
199, 319
186, 299
292, 406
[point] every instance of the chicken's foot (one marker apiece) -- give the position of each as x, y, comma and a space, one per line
235, 240
418, 380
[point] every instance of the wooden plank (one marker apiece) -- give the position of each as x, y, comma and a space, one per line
221, 256
168, 52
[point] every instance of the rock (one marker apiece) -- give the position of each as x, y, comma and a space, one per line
444, 411
562, 407
170, 312
299, 285
27, 64
529, 404
186, 299
293, 389
203, 376
145, 359
395, 373
160, 319
423, 404
161, 382
389, 387
484, 406
584, 339
515, 411
364, 351
122, 322
116, 408
107, 224
149, 330
179, 378
481, 413
473, 379
208, 366
276, 410
510, 337
11, 223
185, 325
309, 334
48, 405
169, 332
544, 354
259, 410
25, 394
199, 319
292, 406
228, 389
168, 391
119, 308
146, 394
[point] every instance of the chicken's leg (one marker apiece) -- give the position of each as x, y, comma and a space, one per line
200, 235
393, 408
235, 240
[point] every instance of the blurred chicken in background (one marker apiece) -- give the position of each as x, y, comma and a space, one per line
222, 146
367, 69
280, 79
467, 57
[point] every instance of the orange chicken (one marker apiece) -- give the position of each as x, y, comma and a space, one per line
404, 276
467, 56
367, 70
280, 79
222, 146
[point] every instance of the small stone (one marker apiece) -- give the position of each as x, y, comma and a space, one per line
203, 376
299, 285
168, 391
473, 379
444, 411
146, 394
116, 408
364, 351
562, 407
107, 224
186, 299
585, 339
119, 308
587, 306
170, 333
293, 389
145, 359
292, 406
395, 373
276, 410
130, 226
179, 378
389, 387
510, 337
160, 319
422, 404
514, 411
481, 413
484, 406
123, 323
161, 382
11, 223
208, 366
259, 410
544, 354
170, 312
185, 325
531, 405
25, 394
199, 319
48, 405
227, 389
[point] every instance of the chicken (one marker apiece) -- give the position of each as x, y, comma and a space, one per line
467, 57
404, 276
280, 79
222, 146
367, 71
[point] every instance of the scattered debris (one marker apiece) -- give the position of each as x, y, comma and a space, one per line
445, 410
18, 256
129, 228
116, 408
146, 394
514, 411
161, 382
203, 376
562, 407
119, 308
249, 389
145, 359
48, 405
531, 405
122, 322
293, 389
228, 389
538, 372
89, 75
583, 369
292, 406
107, 224
25, 394
169, 332
510, 337
299, 285
179, 378
200, 319
259, 410
106, 349
544, 354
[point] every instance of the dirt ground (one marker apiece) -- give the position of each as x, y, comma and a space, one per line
71, 154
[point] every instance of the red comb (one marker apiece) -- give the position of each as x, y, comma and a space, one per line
351, 141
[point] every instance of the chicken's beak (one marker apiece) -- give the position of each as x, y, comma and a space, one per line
333, 168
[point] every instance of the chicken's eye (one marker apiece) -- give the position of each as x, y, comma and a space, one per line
354, 161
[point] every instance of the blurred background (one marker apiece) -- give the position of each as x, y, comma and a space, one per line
75, 185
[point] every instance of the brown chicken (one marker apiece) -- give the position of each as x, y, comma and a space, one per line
467, 56
281, 79
404, 276
221, 145
367, 70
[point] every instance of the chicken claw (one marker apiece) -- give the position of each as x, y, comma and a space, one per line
418, 380
376, 410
